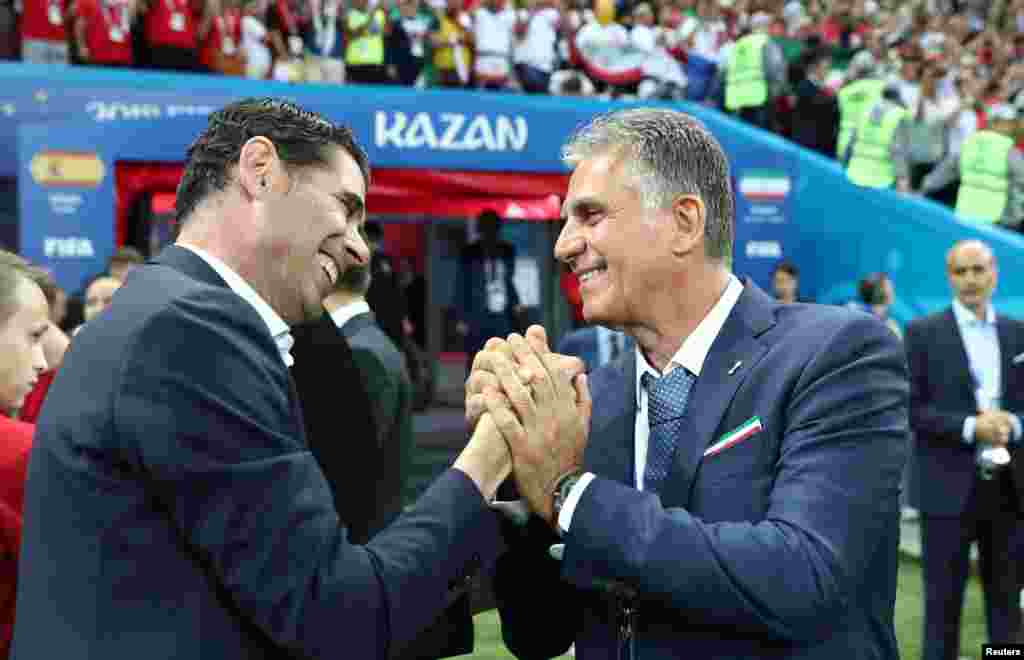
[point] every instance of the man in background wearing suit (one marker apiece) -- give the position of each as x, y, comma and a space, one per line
384, 377
595, 345
325, 373
486, 297
173, 508
967, 394
739, 493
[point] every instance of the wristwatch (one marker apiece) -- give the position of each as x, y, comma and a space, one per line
562, 488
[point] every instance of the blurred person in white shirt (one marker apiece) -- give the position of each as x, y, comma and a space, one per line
493, 29
258, 58
535, 54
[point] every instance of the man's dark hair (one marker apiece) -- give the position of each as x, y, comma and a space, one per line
787, 267
302, 138
355, 280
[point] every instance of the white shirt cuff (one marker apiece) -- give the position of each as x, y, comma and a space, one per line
968, 434
565, 515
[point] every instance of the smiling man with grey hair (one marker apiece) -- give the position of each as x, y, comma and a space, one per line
738, 492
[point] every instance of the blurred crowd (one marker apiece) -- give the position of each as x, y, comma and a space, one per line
806, 69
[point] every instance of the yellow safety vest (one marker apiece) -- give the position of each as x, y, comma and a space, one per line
369, 48
984, 176
854, 100
444, 56
745, 84
870, 164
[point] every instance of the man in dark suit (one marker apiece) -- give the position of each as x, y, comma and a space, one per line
739, 495
967, 392
325, 372
172, 508
384, 376
382, 369
595, 345
486, 296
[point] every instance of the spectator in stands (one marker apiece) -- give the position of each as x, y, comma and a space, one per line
966, 399
991, 172
366, 28
325, 42
24, 323
452, 44
933, 115
875, 294
255, 37
786, 282
535, 53
814, 120
124, 259
9, 37
285, 21
171, 30
878, 155
754, 75
102, 31
407, 49
44, 39
494, 25
220, 39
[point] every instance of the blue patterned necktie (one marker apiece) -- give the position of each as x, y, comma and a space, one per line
666, 405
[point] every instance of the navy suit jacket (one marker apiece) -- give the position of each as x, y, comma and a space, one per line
173, 509
781, 546
942, 397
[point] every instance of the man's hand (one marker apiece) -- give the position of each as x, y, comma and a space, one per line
486, 459
547, 425
481, 380
993, 427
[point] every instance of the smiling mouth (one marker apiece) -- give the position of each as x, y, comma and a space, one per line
586, 275
329, 266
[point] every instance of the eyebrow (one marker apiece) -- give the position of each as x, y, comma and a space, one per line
573, 206
353, 203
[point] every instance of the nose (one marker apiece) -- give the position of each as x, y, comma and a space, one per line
356, 249
38, 359
569, 244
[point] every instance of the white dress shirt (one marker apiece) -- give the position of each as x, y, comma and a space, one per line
349, 311
690, 355
275, 324
981, 342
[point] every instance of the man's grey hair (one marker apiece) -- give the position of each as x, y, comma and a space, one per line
355, 280
669, 154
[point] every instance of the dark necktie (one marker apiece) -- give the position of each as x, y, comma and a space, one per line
666, 405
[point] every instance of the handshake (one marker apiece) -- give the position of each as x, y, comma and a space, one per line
528, 411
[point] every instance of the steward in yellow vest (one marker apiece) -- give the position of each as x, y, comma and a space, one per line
753, 76
878, 156
991, 171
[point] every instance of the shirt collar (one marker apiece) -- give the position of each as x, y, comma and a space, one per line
275, 324
695, 348
349, 311
966, 318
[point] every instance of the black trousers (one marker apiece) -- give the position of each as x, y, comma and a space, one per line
991, 520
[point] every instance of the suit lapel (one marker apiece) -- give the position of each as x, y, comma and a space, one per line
610, 450
960, 365
716, 386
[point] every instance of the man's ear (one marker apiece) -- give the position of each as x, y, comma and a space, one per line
688, 218
259, 167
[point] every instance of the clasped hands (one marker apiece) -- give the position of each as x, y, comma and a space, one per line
994, 427
540, 404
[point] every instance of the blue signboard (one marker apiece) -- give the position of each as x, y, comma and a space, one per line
62, 131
